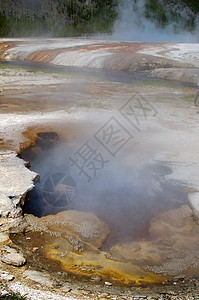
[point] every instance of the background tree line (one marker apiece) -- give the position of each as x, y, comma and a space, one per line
84, 17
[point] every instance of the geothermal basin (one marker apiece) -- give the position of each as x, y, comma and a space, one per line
109, 191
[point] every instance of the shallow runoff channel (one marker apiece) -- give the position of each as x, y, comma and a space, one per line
109, 75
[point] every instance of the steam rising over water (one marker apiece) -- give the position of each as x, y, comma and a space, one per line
132, 25
126, 196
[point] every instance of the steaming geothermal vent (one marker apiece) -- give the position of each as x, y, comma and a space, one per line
125, 196
130, 220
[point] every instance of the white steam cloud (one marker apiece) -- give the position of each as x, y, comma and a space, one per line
132, 25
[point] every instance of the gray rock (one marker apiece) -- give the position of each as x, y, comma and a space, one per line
179, 277
16, 179
96, 278
10, 256
8, 209
4, 293
38, 277
86, 226
6, 205
66, 288
3, 237
7, 277
104, 294
188, 75
15, 212
107, 283
15, 225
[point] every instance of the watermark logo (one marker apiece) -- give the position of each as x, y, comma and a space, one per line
58, 190
88, 160
137, 107
113, 136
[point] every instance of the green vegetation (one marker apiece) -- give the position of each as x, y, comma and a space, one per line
98, 105
189, 98
10, 294
156, 12
85, 17
13, 296
165, 12
56, 17
33, 70
158, 83
194, 4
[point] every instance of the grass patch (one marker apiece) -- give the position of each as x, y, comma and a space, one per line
14, 296
189, 98
34, 70
47, 71
37, 70
98, 105
158, 83
4, 74
9, 66
10, 294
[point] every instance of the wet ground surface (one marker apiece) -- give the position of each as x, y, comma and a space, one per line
103, 74
141, 195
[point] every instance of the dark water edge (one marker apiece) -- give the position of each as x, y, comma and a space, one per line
125, 199
109, 75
